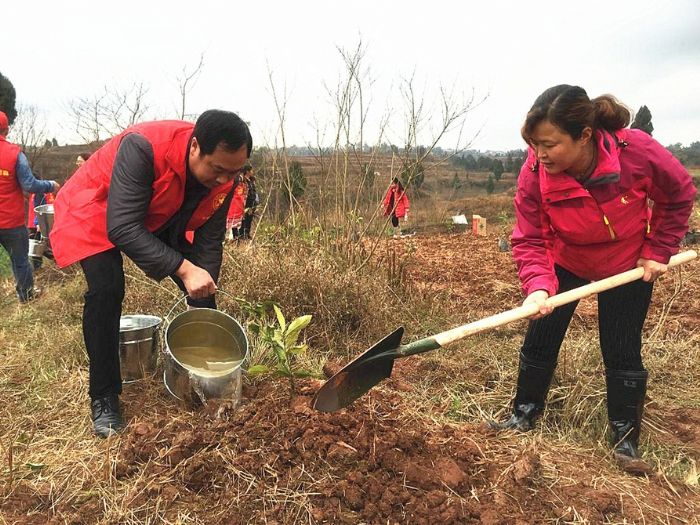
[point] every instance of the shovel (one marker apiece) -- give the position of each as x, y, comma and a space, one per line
360, 375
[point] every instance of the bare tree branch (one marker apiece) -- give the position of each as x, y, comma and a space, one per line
186, 82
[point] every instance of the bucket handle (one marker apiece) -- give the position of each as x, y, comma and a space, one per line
167, 316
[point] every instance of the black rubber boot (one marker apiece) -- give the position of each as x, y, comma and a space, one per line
626, 392
534, 378
106, 416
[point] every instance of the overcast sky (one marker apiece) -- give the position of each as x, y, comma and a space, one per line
642, 51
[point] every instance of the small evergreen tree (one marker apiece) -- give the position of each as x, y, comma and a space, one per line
484, 163
490, 185
298, 179
470, 162
497, 169
642, 120
7, 98
413, 175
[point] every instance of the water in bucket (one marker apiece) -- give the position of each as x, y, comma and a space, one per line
204, 353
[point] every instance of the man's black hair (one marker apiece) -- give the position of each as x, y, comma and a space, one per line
215, 127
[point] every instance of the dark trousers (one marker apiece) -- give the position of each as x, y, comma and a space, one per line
621, 315
16, 242
246, 225
104, 274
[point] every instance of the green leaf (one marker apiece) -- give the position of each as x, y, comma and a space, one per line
298, 349
258, 369
34, 466
280, 317
295, 327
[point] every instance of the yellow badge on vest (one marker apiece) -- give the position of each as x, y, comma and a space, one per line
218, 201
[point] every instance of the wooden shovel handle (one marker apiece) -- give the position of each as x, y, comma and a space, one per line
523, 312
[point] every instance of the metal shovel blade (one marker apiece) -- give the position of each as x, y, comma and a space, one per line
360, 375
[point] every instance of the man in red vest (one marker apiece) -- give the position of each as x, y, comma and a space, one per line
138, 195
15, 177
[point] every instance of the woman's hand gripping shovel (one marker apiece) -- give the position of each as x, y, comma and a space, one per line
360, 375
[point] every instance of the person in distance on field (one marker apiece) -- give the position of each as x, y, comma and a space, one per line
582, 214
396, 205
142, 194
236, 211
251, 203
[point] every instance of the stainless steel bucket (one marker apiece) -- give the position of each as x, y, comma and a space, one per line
138, 346
36, 248
194, 379
44, 214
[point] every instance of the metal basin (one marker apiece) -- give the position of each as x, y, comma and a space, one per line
138, 346
203, 357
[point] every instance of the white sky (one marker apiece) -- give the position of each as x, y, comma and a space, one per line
642, 51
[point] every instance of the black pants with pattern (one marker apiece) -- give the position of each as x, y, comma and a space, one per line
621, 314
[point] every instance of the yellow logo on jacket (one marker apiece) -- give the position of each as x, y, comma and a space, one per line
218, 201
624, 200
4, 173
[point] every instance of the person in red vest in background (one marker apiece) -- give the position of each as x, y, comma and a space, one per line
236, 211
138, 195
396, 204
15, 178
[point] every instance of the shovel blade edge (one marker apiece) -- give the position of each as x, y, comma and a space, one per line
360, 375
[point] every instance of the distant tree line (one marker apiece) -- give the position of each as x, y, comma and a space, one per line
688, 155
497, 164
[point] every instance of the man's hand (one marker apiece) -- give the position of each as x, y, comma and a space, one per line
197, 281
652, 269
56, 186
538, 297
405, 217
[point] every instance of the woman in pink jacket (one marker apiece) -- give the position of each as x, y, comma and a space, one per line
396, 204
583, 214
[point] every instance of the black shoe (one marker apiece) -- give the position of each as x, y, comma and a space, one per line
106, 416
534, 378
30, 295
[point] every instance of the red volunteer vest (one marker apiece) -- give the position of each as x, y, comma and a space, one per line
11, 197
80, 209
237, 207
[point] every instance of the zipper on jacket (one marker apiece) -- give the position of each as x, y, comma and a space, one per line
610, 228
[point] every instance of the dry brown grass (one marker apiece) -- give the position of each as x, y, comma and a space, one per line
48, 451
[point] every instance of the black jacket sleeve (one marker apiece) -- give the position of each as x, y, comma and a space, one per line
130, 194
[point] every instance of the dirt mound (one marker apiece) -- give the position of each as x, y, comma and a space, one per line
277, 460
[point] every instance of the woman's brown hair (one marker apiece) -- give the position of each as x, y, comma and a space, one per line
570, 109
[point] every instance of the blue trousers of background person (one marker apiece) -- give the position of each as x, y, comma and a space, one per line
16, 242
